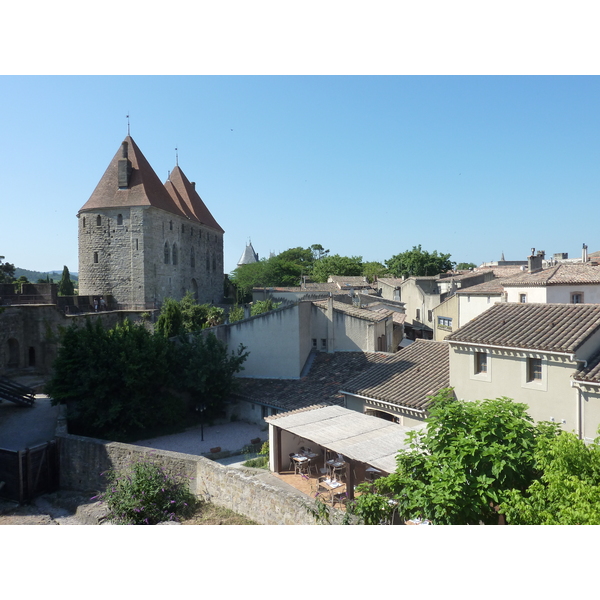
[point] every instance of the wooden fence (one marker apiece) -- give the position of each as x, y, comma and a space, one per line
25, 474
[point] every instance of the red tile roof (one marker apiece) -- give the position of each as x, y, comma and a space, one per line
561, 274
185, 195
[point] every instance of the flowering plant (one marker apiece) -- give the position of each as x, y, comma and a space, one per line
144, 494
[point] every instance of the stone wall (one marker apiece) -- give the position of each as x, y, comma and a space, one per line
142, 255
83, 459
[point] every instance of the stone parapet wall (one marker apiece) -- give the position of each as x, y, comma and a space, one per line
82, 460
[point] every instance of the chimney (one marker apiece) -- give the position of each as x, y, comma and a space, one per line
124, 168
535, 262
584, 254
193, 184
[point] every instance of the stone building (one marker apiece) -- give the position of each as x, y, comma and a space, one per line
141, 241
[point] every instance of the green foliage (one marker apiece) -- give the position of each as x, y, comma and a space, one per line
286, 269
127, 379
418, 262
462, 466
568, 489
337, 265
170, 320
144, 494
463, 266
372, 270
7, 271
236, 313
263, 306
206, 371
65, 287
115, 381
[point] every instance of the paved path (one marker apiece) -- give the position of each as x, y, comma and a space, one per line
27, 426
228, 436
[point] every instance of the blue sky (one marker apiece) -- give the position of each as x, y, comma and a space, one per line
364, 165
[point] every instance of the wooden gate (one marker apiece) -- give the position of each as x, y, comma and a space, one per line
25, 474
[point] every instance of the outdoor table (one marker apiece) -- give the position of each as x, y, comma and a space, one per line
333, 487
299, 462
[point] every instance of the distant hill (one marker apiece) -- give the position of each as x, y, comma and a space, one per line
33, 276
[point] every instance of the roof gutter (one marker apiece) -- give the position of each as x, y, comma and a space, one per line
571, 355
382, 402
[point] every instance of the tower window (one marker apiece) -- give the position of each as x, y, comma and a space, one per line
84, 222
167, 254
119, 219
98, 220
95, 257
175, 256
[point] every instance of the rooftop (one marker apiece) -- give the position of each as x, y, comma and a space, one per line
328, 373
550, 327
561, 274
359, 313
408, 377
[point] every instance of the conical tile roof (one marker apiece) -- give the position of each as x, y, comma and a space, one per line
186, 197
144, 189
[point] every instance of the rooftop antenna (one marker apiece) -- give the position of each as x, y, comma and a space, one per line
176, 158
127, 117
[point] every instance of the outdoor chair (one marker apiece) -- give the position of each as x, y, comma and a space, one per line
292, 465
311, 464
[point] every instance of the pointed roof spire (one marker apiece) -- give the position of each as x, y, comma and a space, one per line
144, 188
249, 256
184, 194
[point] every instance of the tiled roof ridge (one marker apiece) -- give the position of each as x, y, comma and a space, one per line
144, 186
359, 313
535, 326
188, 194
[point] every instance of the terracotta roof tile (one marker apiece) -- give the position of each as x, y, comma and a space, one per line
591, 373
328, 373
186, 196
145, 188
359, 313
551, 327
561, 274
408, 377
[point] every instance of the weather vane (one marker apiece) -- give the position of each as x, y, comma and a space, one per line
176, 158
127, 117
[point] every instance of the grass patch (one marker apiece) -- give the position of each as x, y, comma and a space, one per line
260, 462
211, 514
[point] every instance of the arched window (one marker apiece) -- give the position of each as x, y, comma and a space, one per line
95, 257
119, 219
167, 254
171, 225
98, 220
175, 257
193, 258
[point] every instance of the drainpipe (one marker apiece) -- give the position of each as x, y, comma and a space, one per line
579, 409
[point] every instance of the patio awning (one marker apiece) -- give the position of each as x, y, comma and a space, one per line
359, 437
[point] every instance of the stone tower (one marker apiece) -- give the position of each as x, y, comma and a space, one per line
141, 241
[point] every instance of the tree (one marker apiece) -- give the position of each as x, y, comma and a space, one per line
65, 287
372, 270
418, 263
122, 381
463, 466
337, 265
115, 381
263, 306
568, 489
7, 271
208, 371
170, 320
463, 266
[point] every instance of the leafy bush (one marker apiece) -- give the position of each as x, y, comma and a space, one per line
144, 494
